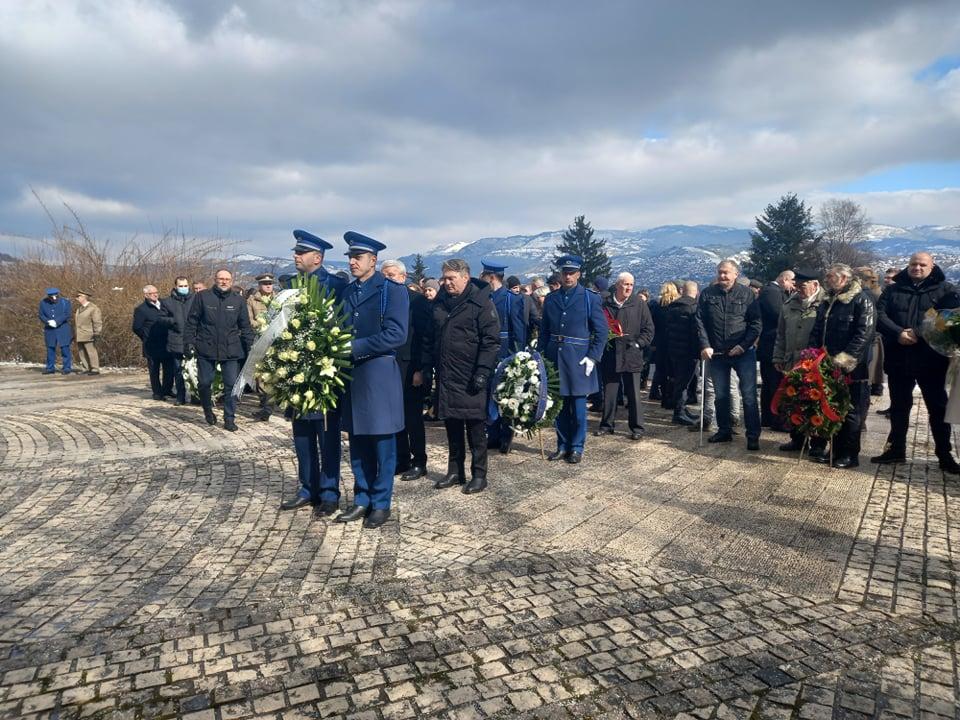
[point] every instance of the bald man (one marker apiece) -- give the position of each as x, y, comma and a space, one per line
910, 361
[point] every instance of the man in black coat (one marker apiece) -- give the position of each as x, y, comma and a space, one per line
152, 324
684, 351
461, 349
177, 306
910, 361
728, 325
218, 330
845, 327
412, 440
622, 359
771, 299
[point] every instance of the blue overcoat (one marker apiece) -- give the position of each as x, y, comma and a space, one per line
58, 311
573, 327
379, 311
513, 329
338, 285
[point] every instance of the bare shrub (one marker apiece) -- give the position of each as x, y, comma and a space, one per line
72, 260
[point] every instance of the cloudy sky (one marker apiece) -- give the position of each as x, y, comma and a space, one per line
420, 122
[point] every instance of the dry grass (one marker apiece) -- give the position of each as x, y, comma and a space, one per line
72, 260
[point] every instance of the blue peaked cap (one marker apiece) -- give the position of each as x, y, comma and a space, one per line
357, 243
491, 266
570, 262
308, 241
52, 291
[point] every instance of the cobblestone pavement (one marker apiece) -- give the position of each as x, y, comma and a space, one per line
145, 571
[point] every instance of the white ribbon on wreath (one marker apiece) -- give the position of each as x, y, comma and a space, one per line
284, 306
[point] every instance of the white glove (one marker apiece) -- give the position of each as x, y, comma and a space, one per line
588, 363
52, 323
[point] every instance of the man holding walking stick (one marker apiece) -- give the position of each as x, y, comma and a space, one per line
728, 325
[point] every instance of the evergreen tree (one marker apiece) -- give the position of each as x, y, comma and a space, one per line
578, 240
785, 238
419, 269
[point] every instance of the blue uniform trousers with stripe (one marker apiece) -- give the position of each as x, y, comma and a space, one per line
373, 459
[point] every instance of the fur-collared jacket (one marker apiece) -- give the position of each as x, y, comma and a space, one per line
846, 325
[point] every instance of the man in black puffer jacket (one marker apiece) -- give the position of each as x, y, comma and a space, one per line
218, 330
910, 361
461, 347
845, 326
684, 351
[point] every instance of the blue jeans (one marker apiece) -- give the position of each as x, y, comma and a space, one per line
746, 368
206, 369
373, 459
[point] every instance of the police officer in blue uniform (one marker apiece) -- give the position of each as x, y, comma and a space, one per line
513, 337
378, 310
573, 333
55, 315
316, 438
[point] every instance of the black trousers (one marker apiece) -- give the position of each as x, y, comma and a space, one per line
685, 375
900, 382
161, 384
611, 393
770, 377
476, 435
412, 440
847, 441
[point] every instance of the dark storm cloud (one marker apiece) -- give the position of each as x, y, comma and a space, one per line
430, 118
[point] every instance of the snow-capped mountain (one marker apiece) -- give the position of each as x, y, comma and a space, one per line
683, 251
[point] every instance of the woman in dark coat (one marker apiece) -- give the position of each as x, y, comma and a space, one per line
461, 348
661, 387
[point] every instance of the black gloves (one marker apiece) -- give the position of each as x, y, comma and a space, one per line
189, 351
479, 382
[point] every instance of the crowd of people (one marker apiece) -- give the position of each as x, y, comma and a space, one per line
428, 349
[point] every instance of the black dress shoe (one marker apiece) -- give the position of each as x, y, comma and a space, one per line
683, 420
696, 427
885, 413
449, 480
846, 461
400, 470
230, 425
178, 403
574, 458
876, 390
753, 444
298, 502
602, 431
355, 513
210, 416
636, 434
720, 437
325, 509
261, 415
414, 473
376, 518
49, 372
792, 446
157, 397
557, 455
949, 465
477, 484
889, 457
